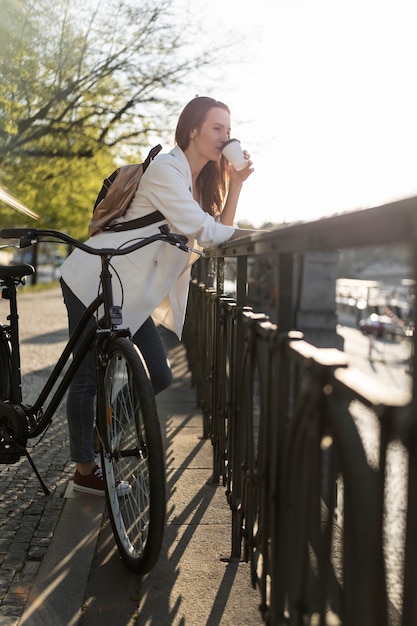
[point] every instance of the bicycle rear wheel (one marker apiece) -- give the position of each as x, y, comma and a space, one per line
133, 465
5, 370
13, 426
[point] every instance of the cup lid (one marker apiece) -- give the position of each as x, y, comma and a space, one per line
226, 143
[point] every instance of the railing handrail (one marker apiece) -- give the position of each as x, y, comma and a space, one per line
395, 222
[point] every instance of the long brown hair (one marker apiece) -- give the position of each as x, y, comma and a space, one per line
213, 179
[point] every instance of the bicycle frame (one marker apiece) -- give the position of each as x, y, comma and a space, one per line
39, 417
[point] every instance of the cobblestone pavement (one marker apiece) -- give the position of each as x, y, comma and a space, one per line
28, 517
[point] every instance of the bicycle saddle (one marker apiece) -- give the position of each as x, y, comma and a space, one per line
15, 272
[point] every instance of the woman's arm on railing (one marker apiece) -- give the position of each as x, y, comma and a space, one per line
245, 232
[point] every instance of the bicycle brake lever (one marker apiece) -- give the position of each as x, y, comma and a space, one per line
179, 241
28, 240
199, 252
189, 249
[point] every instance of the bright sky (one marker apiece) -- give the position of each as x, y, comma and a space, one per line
323, 94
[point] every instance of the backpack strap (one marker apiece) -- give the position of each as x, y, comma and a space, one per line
152, 154
140, 222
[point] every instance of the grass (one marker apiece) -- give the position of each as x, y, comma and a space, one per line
42, 286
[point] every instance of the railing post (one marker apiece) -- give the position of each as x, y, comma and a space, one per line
236, 437
236, 434
285, 297
315, 305
241, 281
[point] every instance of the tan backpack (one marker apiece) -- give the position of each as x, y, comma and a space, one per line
116, 195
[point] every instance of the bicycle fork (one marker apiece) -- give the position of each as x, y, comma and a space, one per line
104, 410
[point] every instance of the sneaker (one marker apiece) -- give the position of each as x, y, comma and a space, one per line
91, 483
97, 458
94, 483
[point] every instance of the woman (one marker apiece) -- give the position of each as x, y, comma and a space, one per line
197, 192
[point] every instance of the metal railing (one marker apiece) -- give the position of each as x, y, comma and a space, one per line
310, 454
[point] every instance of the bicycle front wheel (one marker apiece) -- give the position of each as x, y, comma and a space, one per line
133, 464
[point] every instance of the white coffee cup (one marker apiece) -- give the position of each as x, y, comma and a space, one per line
233, 152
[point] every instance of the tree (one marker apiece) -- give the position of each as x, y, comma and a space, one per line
77, 81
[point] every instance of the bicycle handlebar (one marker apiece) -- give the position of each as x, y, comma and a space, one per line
29, 236
15, 233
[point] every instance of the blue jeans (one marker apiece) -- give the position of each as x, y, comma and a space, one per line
82, 391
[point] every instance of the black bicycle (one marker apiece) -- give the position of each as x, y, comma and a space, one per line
126, 421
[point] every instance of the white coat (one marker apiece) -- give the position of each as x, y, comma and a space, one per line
155, 279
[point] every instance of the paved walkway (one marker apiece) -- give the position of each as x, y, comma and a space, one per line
28, 519
58, 561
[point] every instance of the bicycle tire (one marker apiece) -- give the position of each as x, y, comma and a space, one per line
134, 456
5, 370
